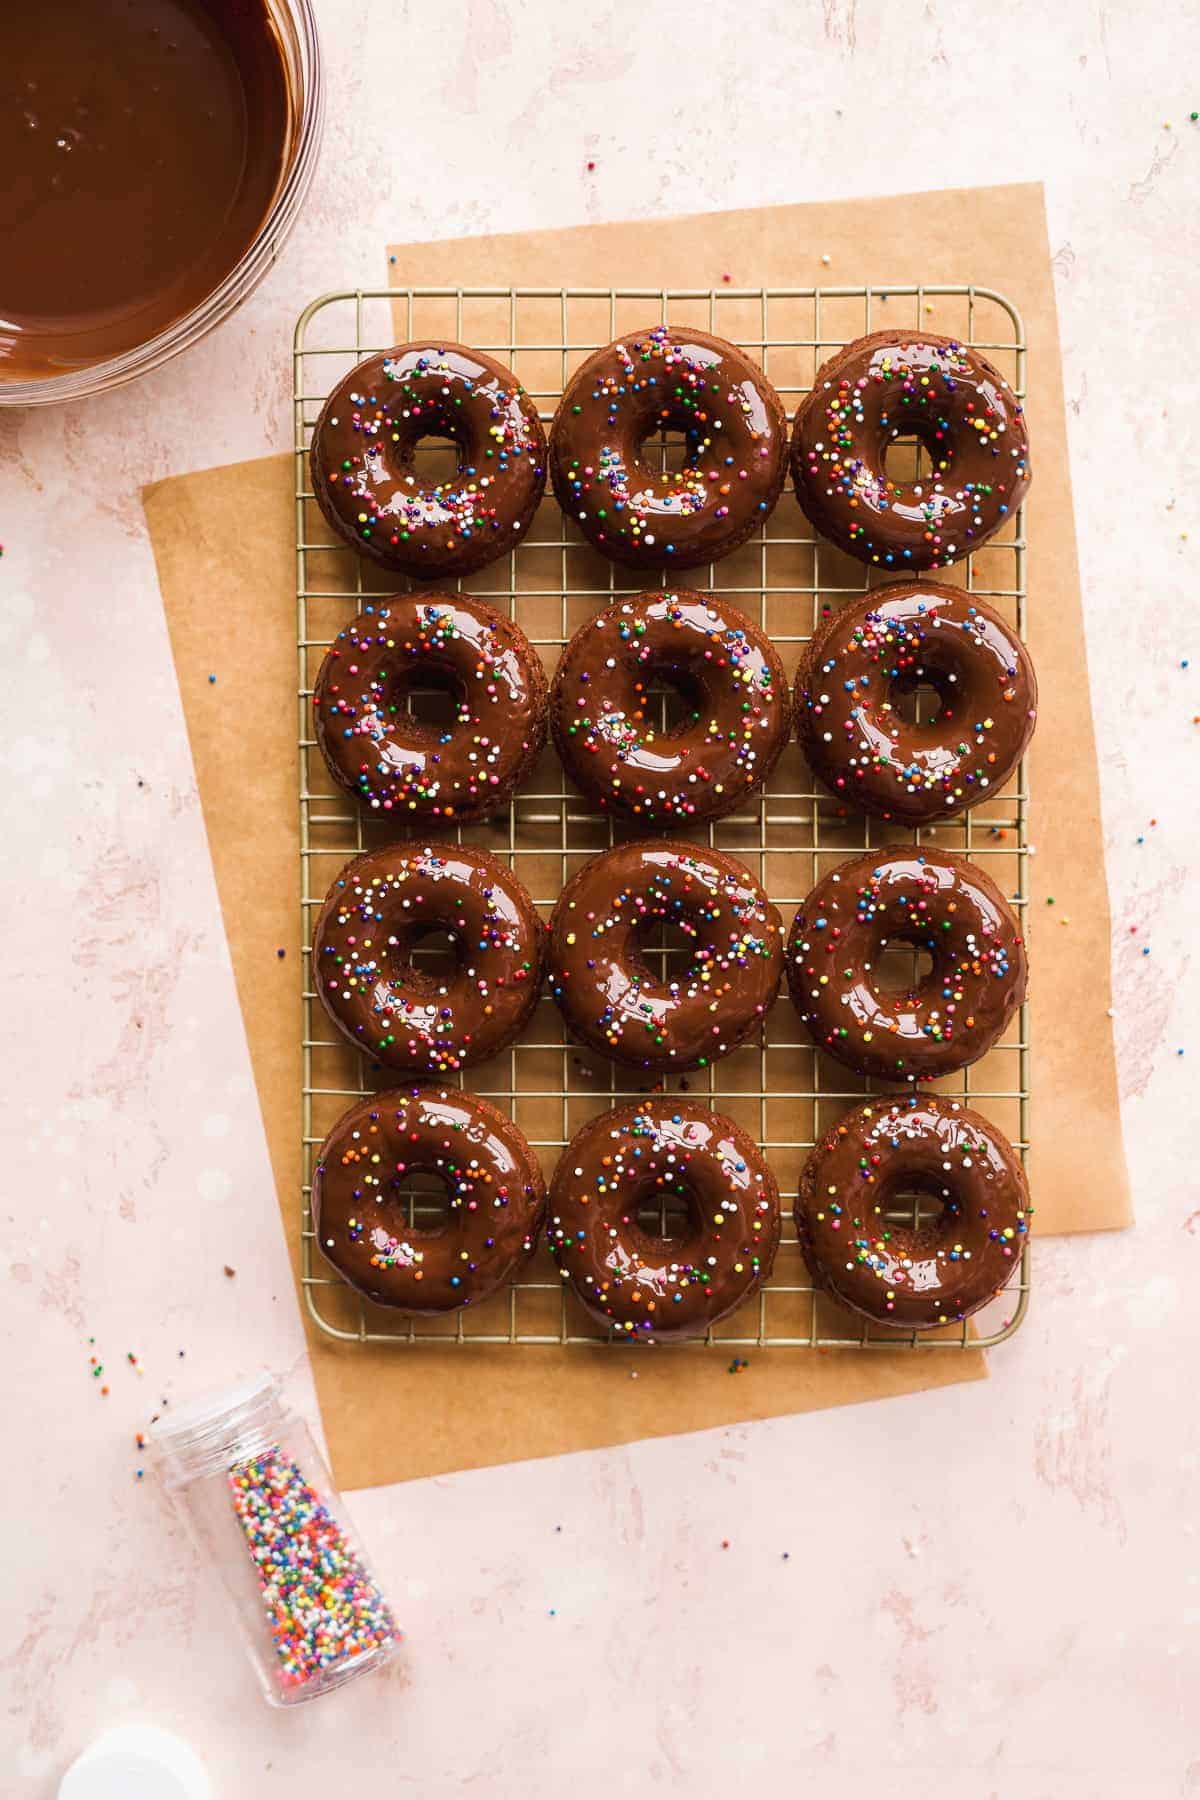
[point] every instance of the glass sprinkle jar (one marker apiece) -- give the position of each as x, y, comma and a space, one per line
246, 1477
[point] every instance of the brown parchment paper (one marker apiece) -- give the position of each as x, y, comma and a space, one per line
223, 544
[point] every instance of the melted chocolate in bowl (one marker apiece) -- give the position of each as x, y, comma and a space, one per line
141, 146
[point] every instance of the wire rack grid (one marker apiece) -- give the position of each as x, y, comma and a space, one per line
782, 1090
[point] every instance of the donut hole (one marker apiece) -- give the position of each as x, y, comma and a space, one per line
429, 700
422, 1200
937, 689
666, 1215
428, 957
919, 697
665, 949
668, 443
899, 968
909, 461
669, 700
667, 452
435, 459
916, 1203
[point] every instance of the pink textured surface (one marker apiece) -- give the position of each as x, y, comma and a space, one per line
992, 1588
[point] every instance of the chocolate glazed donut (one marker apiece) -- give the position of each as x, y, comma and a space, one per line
377, 912
365, 480
927, 900
643, 1157
611, 997
668, 378
901, 1273
909, 383
604, 725
396, 763
360, 1208
864, 658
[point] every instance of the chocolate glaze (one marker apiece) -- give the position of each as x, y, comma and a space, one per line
931, 901
909, 384
668, 378
141, 146
374, 917
612, 998
365, 481
725, 666
360, 1213
398, 764
897, 1273
639, 1284
863, 657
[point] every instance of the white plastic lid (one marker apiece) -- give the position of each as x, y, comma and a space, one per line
136, 1762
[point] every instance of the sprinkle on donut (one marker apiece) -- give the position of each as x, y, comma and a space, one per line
394, 762
652, 1154
668, 378
374, 987
606, 727
902, 384
921, 899
611, 996
365, 479
895, 638
493, 1187
905, 1271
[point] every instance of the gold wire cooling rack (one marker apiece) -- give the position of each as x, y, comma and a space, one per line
781, 1089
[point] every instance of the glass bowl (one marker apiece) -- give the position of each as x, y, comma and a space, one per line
297, 32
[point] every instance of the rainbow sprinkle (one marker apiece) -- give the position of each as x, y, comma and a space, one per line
322, 1604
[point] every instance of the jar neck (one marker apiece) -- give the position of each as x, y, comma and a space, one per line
219, 1431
